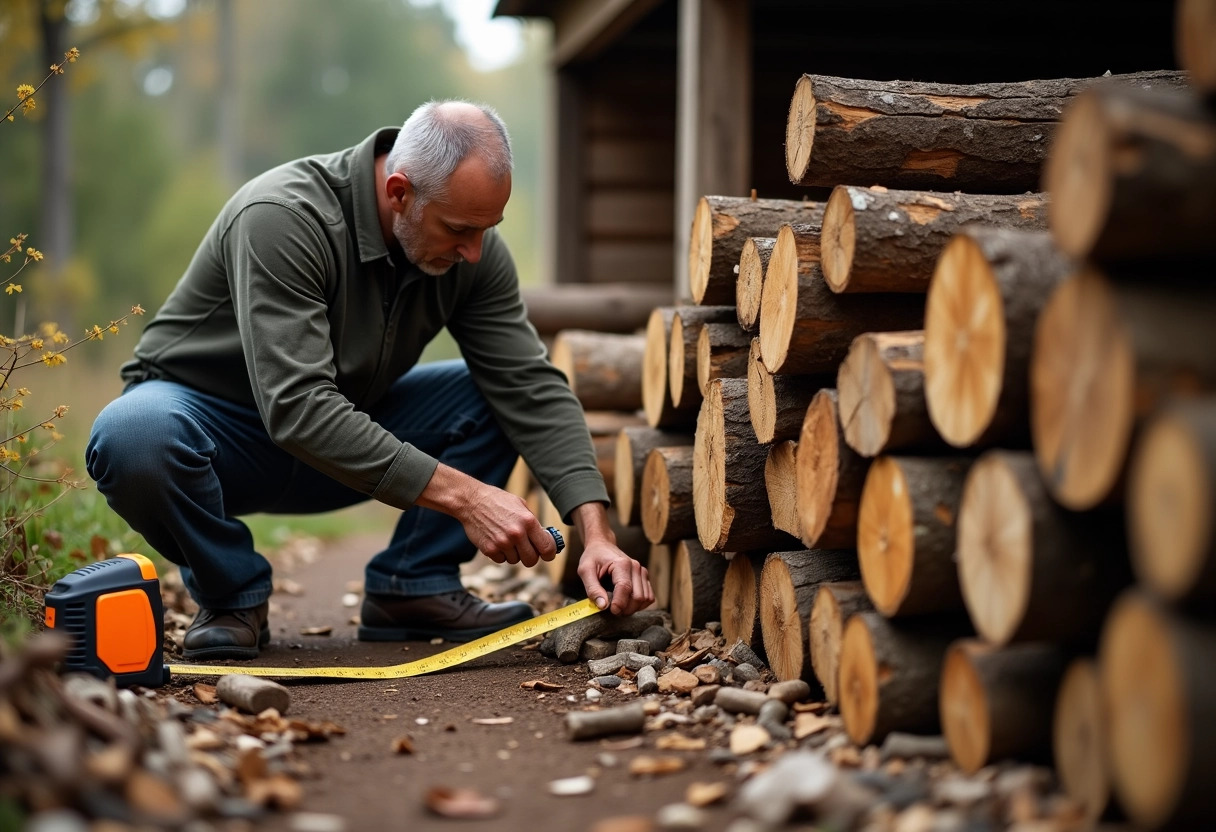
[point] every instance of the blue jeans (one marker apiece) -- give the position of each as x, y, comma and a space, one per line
180, 466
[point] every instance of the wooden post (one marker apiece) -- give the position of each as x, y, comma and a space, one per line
882, 394
788, 584
830, 477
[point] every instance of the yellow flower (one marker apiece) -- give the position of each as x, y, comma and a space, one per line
47, 426
12, 287
73, 54
137, 310
60, 410
16, 404
23, 391
113, 328
94, 332
33, 254
52, 359
8, 258
37, 343
14, 455
16, 242
60, 338
49, 328
28, 104
56, 435
23, 438
24, 91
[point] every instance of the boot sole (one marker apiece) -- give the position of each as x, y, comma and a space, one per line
222, 651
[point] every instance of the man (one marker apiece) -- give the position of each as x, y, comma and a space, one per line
279, 377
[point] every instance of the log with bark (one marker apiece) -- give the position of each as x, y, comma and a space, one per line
788, 584
876, 240
834, 602
1194, 34
731, 505
1028, 568
740, 613
987, 291
1172, 503
656, 391
1159, 685
831, 476
659, 569
778, 403
807, 328
882, 394
1079, 739
753, 263
604, 369
682, 352
605, 307
667, 495
1106, 355
696, 585
1132, 176
722, 352
983, 138
906, 534
995, 702
720, 227
633, 445
781, 483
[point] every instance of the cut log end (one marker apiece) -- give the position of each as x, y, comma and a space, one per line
696, 585
834, 603
966, 721
839, 240
1079, 739
676, 360
740, 602
700, 249
750, 286
623, 482
818, 466
780, 621
713, 514
656, 397
867, 397
1078, 177
885, 535
780, 300
800, 130
656, 497
781, 482
659, 569
858, 681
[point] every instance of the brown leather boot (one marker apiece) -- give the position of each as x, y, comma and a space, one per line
227, 634
452, 616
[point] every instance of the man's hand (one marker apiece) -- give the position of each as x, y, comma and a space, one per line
631, 589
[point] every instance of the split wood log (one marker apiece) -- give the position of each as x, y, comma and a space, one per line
1105, 356
1159, 685
781, 483
876, 240
696, 586
987, 291
753, 263
588, 725
777, 403
995, 702
882, 394
568, 640
831, 476
604, 369
1029, 569
740, 613
633, 445
1172, 502
731, 505
1132, 176
682, 351
722, 352
656, 391
788, 584
1080, 739
906, 534
834, 602
985, 138
889, 675
659, 569
667, 495
252, 694
1194, 34
807, 328
720, 227
602, 307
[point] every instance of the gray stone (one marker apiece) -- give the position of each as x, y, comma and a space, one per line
736, 701
704, 695
607, 666
791, 691
757, 685
596, 648
636, 661
607, 681
634, 645
593, 695
774, 710
648, 681
658, 637
746, 672
742, 653
722, 756
706, 713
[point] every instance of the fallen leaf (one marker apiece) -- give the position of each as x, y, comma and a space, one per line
403, 745
316, 631
657, 766
205, 693
748, 738
706, 794
705, 640
460, 803
277, 791
539, 684
679, 742
807, 724
493, 720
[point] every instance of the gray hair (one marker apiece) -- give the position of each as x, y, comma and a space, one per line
433, 142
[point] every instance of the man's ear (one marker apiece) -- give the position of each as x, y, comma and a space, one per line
399, 191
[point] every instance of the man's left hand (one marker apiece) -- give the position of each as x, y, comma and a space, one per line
601, 558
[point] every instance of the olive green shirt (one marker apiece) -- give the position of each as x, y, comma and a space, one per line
294, 304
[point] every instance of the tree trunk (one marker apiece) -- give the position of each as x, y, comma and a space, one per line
667, 495
722, 351
740, 613
686, 326
781, 483
1132, 176
995, 702
753, 263
882, 394
720, 227
1105, 355
604, 369
834, 603
906, 534
777, 403
1028, 568
732, 507
1171, 499
656, 391
788, 585
1194, 34
1080, 740
633, 445
830, 477
986, 295
805, 327
1159, 684
696, 586
983, 138
56, 228
875, 240
659, 568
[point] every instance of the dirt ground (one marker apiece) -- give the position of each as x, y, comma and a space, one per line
360, 778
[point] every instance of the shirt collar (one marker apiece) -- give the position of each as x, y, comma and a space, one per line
363, 188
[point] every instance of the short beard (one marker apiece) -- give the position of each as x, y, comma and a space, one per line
407, 228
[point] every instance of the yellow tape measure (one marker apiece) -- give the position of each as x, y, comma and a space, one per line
440, 661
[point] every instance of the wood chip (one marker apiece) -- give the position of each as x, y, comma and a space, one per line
403, 745
622, 745
540, 684
205, 693
745, 739
678, 681
493, 720
204, 739
275, 792
316, 631
152, 795
706, 794
810, 707
679, 742
251, 766
656, 766
807, 724
460, 803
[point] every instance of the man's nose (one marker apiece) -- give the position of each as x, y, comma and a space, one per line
471, 251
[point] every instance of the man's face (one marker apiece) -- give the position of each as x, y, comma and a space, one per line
449, 230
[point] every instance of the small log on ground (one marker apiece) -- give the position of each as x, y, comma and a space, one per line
996, 702
1194, 34
588, 725
682, 351
753, 263
788, 585
906, 534
1159, 684
568, 640
659, 569
721, 225
1029, 569
731, 505
834, 602
1105, 356
1172, 503
985, 138
696, 586
633, 445
882, 394
667, 495
603, 307
987, 292
722, 352
831, 476
777, 403
781, 483
740, 613
604, 369
876, 240
1080, 739
807, 328
252, 694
